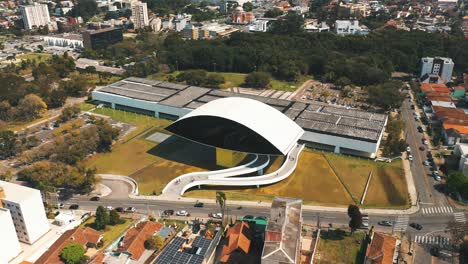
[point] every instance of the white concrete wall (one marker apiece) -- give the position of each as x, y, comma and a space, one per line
9, 244
34, 216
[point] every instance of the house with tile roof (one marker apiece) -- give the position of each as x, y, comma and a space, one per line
87, 237
382, 249
133, 243
239, 238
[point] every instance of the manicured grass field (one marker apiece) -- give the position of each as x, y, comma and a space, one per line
388, 187
339, 247
313, 181
233, 79
111, 233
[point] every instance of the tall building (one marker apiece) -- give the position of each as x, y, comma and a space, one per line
9, 244
98, 39
35, 15
27, 211
139, 15
437, 66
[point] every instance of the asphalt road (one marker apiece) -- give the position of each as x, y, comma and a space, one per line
428, 195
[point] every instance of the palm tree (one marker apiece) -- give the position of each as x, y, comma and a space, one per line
221, 200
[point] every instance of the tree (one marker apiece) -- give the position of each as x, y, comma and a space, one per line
85, 9
257, 80
292, 23
213, 80
73, 253
386, 95
40, 47
90, 69
68, 113
114, 217
342, 82
273, 13
248, 6
192, 77
8, 144
107, 134
458, 183
102, 218
7, 176
31, 107
356, 217
221, 201
154, 243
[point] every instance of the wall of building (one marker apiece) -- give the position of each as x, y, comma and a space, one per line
34, 215
9, 244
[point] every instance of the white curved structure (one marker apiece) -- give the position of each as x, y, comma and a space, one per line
191, 180
240, 124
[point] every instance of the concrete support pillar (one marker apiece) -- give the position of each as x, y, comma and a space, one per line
260, 172
337, 149
156, 114
258, 186
199, 186
113, 105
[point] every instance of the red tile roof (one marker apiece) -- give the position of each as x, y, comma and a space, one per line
81, 236
134, 240
434, 87
239, 238
381, 249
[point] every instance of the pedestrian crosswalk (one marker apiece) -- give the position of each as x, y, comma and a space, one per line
401, 224
460, 217
437, 210
432, 240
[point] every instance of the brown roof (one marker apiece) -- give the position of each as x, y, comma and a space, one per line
134, 240
381, 249
239, 238
444, 113
81, 236
98, 258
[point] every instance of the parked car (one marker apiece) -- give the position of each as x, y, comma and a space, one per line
410, 157
412, 107
182, 213
437, 178
385, 223
435, 173
95, 198
421, 148
420, 129
216, 215
199, 204
416, 226
119, 209
408, 149
416, 118
59, 206
130, 209
74, 207
426, 163
109, 208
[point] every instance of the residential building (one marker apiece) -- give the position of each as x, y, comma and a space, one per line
207, 31
74, 41
133, 243
438, 67
9, 244
259, 26
238, 243
382, 249
461, 151
35, 15
312, 25
283, 232
155, 24
350, 27
240, 17
27, 211
180, 22
139, 15
96, 39
87, 237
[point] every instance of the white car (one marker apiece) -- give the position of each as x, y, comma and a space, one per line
408, 149
130, 209
425, 142
109, 208
410, 157
217, 215
182, 213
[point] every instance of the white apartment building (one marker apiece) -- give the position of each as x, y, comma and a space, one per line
27, 211
35, 15
67, 40
350, 27
439, 66
139, 15
9, 244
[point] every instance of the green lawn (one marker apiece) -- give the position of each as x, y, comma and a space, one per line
233, 79
339, 247
17, 126
111, 233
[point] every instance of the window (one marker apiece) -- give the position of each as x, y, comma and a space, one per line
19, 214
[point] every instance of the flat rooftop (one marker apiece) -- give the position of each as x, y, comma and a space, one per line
15, 192
314, 117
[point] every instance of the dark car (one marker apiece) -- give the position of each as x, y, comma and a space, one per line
416, 226
74, 207
421, 148
199, 204
412, 106
168, 212
420, 129
248, 217
385, 223
95, 198
119, 209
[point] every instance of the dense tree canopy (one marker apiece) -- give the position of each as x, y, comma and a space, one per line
85, 9
73, 253
458, 183
257, 80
